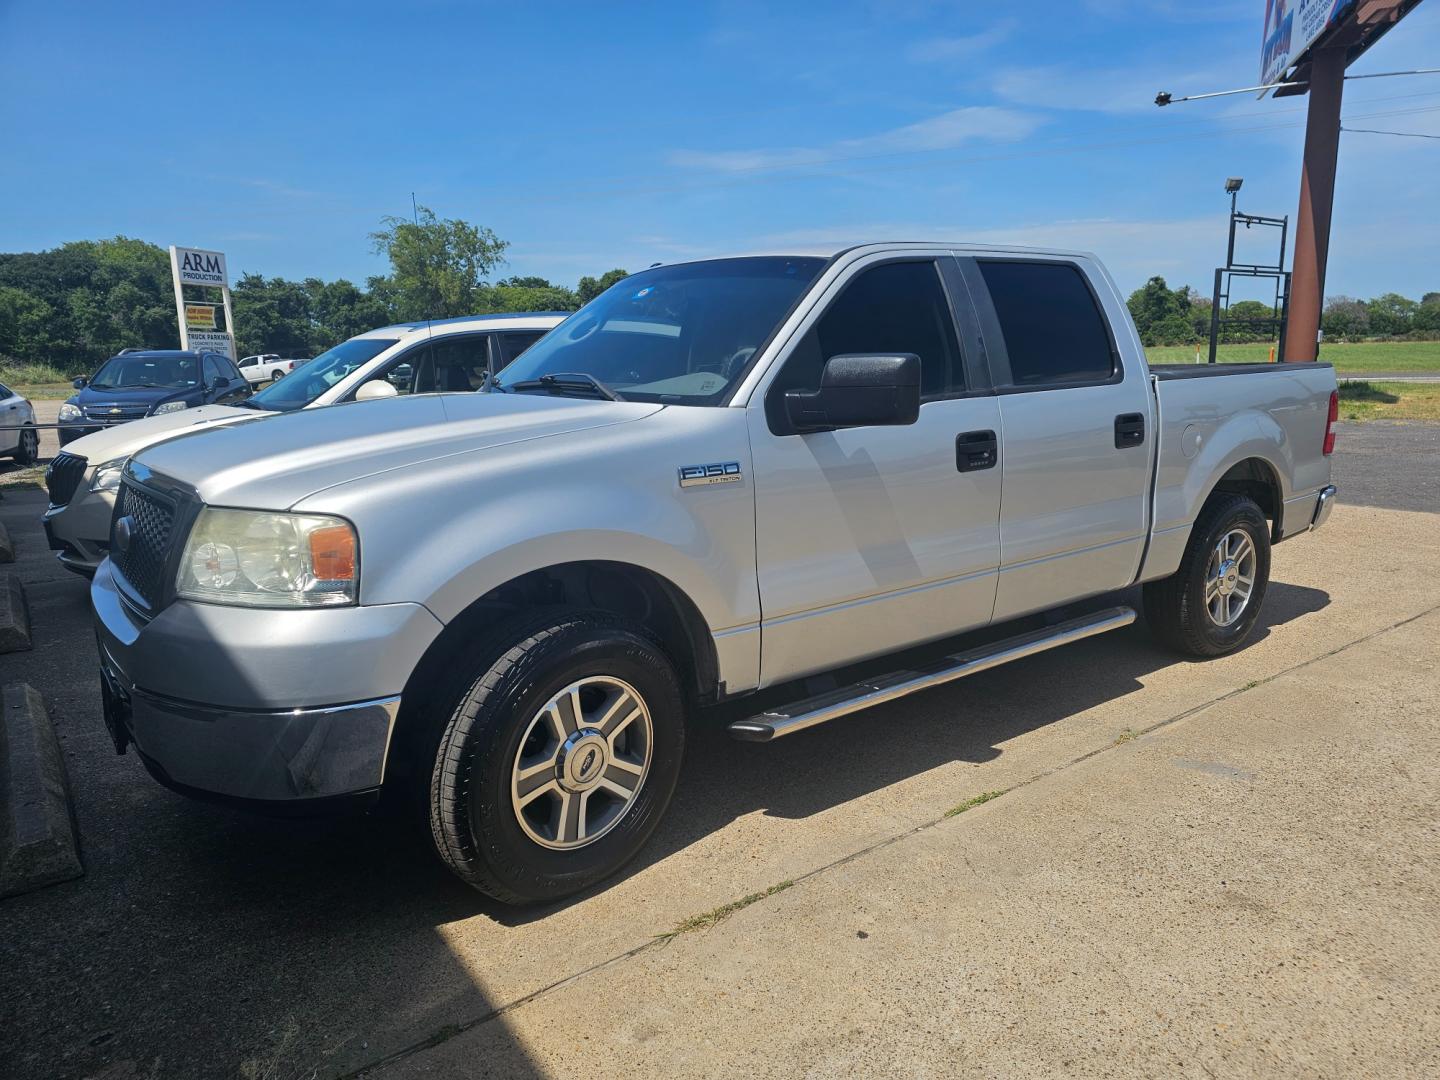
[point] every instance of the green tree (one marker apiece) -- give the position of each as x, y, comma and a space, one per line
437, 267
1344, 318
25, 323
589, 287
1391, 314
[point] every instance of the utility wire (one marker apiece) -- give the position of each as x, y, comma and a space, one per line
1405, 134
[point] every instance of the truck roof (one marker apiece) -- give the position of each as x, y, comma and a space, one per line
541, 320
833, 249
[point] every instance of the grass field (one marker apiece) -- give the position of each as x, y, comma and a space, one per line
1389, 401
1361, 358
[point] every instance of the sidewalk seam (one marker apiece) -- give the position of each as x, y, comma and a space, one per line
448, 1032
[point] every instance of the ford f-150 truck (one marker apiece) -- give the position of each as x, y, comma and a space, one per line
717, 477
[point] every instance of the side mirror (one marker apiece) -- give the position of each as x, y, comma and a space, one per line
221, 382
81, 381
859, 390
374, 389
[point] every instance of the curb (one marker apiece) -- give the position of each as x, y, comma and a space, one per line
14, 620
7, 546
38, 841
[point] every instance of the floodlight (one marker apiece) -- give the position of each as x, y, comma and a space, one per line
1232, 184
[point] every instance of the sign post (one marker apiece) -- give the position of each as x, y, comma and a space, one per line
193, 266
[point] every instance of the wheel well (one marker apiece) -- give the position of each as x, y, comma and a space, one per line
624, 589
1255, 478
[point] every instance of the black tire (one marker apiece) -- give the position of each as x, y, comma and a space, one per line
28, 452
1176, 607
475, 827
276, 375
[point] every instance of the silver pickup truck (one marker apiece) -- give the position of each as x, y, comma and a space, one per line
719, 476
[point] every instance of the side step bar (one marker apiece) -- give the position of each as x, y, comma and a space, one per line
862, 695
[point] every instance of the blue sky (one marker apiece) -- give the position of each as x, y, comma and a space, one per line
598, 135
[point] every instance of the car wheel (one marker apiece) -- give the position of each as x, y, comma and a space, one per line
1209, 606
276, 375
558, 759
28, 452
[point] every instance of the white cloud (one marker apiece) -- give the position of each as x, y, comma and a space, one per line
963, 47
943, 132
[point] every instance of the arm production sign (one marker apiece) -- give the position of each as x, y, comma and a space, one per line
194, 267
198, 328
1291, 27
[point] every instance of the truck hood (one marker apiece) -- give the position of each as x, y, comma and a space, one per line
122, 440
274, 464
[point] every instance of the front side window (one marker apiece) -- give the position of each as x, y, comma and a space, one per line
307, 383
212, 370
892, 308
138, 370
680, 335
1054, 331
457, 364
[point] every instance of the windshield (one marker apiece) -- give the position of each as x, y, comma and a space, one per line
678, 335
305, 384
136, 372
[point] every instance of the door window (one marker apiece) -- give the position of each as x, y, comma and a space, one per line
892, 308
213, 370
459, 364
512, 344
1054, 331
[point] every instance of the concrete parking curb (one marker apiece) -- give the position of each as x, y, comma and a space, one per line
7, 548
14, 619
38, 841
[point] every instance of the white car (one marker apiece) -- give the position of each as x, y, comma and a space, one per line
19, 438
408, 358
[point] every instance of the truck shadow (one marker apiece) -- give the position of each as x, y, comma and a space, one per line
968, 721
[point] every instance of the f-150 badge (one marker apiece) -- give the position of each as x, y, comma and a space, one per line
723, 472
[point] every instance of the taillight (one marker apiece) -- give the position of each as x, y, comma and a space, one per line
1330, 421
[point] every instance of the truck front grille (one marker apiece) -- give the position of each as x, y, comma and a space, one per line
63, 476
142, 561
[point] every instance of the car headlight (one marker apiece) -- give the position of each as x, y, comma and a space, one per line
70, 412
169, 406
262, 559
107, 474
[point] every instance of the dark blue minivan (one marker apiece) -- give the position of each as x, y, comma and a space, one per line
146, 382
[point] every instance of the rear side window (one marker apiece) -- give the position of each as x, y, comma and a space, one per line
514, 343
1054, 331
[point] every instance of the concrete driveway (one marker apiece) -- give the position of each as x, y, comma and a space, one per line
1228, 868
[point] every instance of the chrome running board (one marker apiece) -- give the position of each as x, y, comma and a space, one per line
862, 695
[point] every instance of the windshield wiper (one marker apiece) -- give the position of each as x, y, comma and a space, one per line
563, 381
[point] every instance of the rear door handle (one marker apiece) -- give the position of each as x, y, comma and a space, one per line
976, 450
1129, 430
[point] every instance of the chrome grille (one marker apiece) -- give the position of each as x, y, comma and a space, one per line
115, 413
63, 476
142, 562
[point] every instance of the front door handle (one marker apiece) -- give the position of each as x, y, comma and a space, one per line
975, 450
1129, 430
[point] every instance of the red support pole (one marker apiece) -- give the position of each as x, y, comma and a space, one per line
1317, 195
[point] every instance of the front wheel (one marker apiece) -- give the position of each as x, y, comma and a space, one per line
1209, 606
558, 759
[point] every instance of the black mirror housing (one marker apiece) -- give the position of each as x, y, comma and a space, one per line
81, 381
859, 390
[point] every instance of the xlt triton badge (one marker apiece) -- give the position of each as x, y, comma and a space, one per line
724, 472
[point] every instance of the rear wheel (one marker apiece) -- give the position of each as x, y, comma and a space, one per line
276, 375
1209, 606
558, 760
28, 452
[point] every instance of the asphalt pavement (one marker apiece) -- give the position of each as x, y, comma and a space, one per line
1223, 869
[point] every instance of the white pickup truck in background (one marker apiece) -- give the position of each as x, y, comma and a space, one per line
717, 477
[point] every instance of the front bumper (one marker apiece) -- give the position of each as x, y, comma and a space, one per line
265, 706
79, 531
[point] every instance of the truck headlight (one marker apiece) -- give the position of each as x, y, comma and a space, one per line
169, 406
70, 412
107, 474
263, 559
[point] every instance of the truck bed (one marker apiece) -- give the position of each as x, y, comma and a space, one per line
1169, 372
